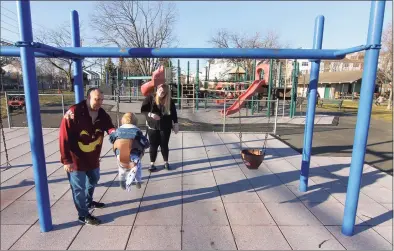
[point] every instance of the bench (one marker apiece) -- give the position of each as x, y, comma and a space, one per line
324, 101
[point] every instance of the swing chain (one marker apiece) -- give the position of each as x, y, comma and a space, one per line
266, 134
5, 146
240, 124
117, 102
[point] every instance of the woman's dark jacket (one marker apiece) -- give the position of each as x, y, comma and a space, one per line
165, 122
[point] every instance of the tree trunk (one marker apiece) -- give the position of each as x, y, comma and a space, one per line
390, 104
209, 69
70, 83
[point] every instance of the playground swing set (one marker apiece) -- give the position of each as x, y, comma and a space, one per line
28, 50
251, 157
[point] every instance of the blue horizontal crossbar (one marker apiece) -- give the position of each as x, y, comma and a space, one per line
351, 50
138, 78
57, 52
47, 49
101, 52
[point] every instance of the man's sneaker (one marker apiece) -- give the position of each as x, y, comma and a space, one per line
89, 220
152, 168
122, 185
167, 166
95, 204
138, 185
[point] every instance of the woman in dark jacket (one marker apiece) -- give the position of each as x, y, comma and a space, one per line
161, 117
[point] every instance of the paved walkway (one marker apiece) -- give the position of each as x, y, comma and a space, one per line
209, 201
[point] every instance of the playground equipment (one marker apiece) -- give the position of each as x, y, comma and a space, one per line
28, 50
158, 78
243, 97
225, 90
190, 89
134, 83
294, 88
271, 87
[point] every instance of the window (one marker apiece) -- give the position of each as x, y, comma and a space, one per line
356, 64
304, 63
345, 65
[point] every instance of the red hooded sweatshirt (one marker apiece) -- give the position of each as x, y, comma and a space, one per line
81, 140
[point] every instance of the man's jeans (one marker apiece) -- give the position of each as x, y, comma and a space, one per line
82, 186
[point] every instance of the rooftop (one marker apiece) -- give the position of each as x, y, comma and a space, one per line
333, 77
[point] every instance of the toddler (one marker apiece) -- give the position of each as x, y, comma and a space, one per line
129, 147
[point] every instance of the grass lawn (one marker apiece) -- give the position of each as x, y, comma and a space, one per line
3, 109
44, 100
378, 112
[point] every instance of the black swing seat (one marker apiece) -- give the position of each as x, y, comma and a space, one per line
253, 157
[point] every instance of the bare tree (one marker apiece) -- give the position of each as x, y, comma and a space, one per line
136, 24
61, 37
48, 73
385, 73
227, 39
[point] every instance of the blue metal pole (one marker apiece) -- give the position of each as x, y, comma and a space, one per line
34, 117
363, 115
351, 50
197, 86
310, 116
78, 73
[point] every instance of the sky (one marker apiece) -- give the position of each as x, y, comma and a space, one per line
346, 22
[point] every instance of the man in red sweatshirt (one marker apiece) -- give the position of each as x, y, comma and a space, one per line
81, 137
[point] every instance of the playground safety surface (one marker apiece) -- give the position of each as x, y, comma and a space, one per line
210, 200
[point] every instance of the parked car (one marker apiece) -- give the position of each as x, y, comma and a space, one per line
16, 102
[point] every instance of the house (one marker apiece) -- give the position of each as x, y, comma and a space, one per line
13, 68
237, 73
333, 84
218, 69
221, 69
345, 64
11, 76
91, 78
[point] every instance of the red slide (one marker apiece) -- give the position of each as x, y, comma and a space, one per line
249, 92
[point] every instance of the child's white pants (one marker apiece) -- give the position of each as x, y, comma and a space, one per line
129, 173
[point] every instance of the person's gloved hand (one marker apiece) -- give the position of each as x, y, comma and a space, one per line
112, 137
176, 128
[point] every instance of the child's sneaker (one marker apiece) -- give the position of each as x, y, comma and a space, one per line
138, 185
122, 184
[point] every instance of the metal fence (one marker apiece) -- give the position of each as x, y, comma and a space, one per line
253, 116
52, 108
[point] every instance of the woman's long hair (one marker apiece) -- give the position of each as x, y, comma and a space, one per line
165, 101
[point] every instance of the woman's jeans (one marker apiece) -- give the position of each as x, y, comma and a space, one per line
82, 186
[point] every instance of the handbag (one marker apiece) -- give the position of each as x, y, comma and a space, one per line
147, 126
